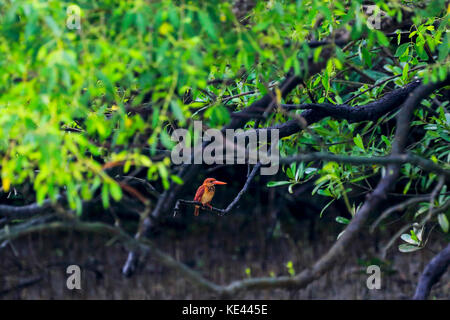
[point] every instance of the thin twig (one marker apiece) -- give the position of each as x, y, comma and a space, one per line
381, 83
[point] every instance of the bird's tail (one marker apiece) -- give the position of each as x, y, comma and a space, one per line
197, 208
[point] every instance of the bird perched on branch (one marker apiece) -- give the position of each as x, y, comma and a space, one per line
205, 193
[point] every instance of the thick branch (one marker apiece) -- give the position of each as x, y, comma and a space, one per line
432, 273
24, 212
425, 164
371, 111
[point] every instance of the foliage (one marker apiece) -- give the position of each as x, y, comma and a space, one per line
71, 100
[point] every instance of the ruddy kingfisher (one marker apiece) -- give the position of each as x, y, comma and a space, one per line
205, 193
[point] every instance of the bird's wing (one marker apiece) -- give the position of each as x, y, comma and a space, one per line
199, 193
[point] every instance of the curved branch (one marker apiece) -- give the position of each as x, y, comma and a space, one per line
399, 207
24, 212
432, 273
371, 111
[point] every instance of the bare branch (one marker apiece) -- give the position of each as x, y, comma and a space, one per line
24, 212
432, 273
21, 285
399, 207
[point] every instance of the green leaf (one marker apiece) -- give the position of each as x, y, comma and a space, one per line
342, 220
177, 112
163, 172
405, 72
401, 50
53, 26
116, 191
207, 24
444, 48
219, 115
407, 238
166, 140
386, 141
366, 56
359, 142
277, 183
325, 208
176, 179
290, 267
413, 235
407, 186
443, 222
105, 195
382, 39
316, 53
408, 248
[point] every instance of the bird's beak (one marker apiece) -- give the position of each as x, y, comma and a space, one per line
219, 182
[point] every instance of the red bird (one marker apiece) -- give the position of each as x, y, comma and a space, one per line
205, 193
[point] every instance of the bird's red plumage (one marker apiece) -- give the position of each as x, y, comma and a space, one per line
198, 197
199, 193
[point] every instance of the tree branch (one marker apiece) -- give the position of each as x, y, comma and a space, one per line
370, 111
24, 212
23, 284
432, 273
425, 164
399, 207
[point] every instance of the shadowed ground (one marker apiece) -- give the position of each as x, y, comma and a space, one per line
223, 250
